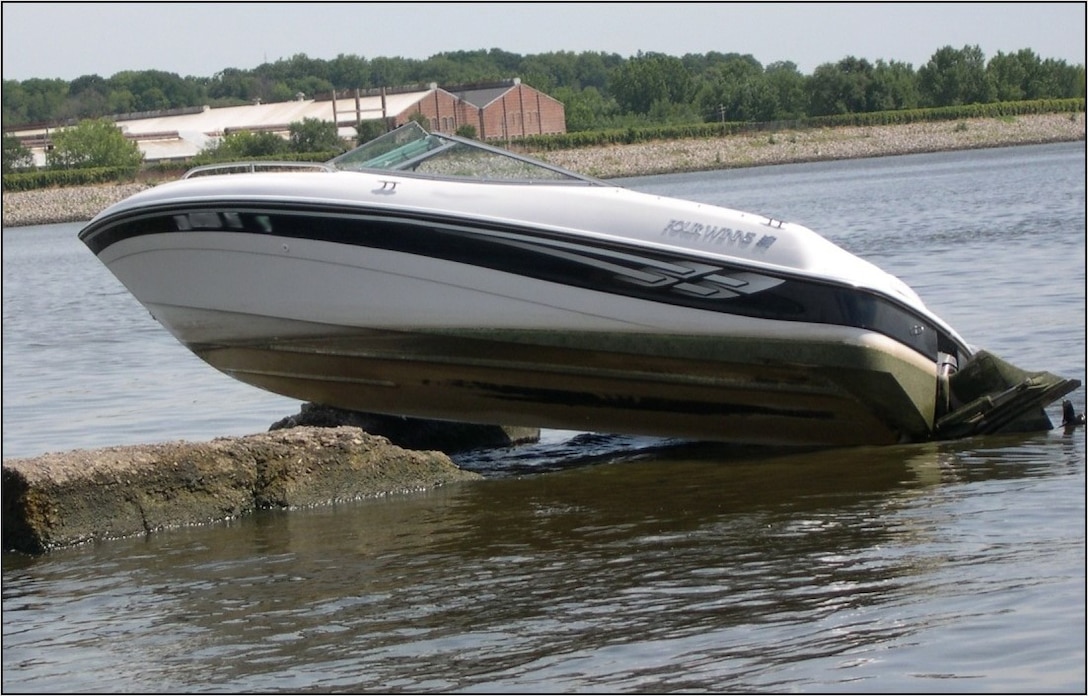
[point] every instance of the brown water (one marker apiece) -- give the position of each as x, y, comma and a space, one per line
595, 562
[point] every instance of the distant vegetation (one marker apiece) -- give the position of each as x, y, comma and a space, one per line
599, 90
607, 99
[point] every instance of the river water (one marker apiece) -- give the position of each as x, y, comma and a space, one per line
594, 562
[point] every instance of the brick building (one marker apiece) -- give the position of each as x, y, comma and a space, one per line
497, 110
512, 109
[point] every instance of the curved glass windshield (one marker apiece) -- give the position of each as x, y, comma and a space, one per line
410, 148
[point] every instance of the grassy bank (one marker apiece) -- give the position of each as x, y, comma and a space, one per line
670, 156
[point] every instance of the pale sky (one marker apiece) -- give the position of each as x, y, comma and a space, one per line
67, 40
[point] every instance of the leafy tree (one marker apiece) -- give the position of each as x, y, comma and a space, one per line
733, 87
280, 92
389, 72
152, 99
245, 145
1010, 74
585, 109
93, 143
297, 66
153, 90
648, 78
893, 86
314, 135
591, 70
546, 71
788, 85
662, 111
16, 155
444, 71
309, 87
234, 84
13, 98
467, 131
506, 62
120, 101
840, 88
1058, 80
347, 72
369, 129
87, 98
33, 100
955, 76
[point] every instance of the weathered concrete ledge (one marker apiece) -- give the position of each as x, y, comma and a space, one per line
86, 495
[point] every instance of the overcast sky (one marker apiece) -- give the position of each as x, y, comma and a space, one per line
46, 40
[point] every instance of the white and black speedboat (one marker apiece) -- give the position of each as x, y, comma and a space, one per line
433, 276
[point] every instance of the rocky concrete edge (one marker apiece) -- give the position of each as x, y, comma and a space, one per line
62, 499
78, 204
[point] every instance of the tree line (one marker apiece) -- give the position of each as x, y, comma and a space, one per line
599, 90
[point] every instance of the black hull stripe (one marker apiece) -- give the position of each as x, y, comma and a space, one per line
627, 270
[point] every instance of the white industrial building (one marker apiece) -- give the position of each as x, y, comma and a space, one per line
496, 110
183, 133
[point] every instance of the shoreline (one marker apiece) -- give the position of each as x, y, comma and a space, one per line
816, 145
81, 203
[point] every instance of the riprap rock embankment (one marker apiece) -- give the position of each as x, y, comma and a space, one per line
817, 144
70, 204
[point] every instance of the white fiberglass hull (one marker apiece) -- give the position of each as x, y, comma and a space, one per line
387, 331
548, 303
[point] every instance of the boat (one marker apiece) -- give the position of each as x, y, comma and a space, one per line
433, 276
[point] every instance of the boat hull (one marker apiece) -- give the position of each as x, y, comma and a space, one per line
440, 278
494, 379
868, 390
440, 322
507, 326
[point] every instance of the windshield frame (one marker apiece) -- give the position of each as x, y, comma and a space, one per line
404, 149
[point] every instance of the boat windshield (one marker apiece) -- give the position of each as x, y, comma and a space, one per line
410, 148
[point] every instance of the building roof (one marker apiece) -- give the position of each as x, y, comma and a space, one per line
182, 135
217, 122
480, 95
